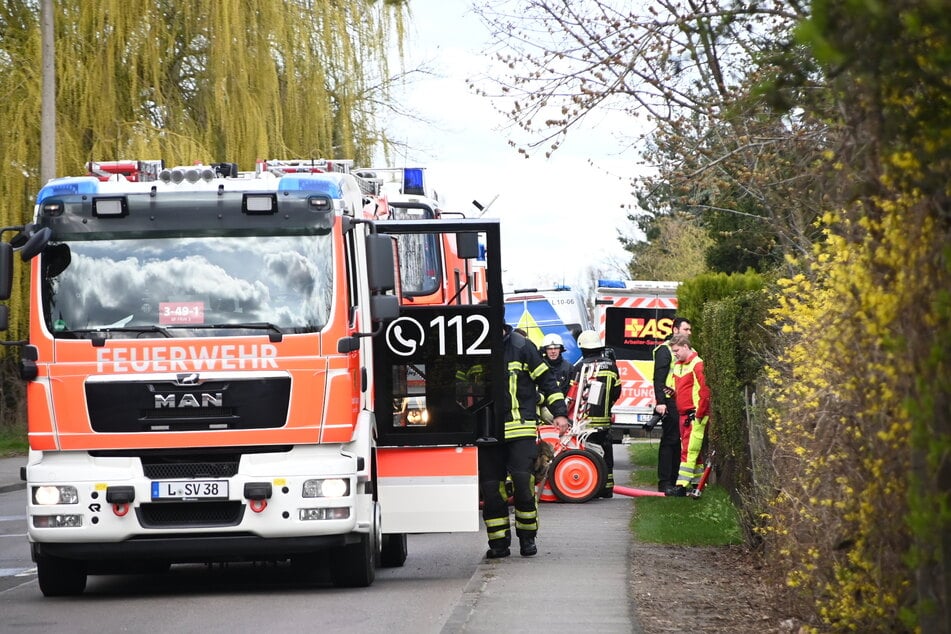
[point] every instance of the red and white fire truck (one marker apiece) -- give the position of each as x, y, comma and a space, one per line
219, 364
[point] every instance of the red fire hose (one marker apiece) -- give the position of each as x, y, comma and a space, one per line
635, 493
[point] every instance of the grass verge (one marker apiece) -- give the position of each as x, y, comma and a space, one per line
12, 440
711, 520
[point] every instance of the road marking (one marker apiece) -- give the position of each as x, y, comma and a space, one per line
17, 572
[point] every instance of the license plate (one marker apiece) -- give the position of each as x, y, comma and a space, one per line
644, 418
190, 490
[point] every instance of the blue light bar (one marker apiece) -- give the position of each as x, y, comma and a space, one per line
327, 185
69, 186
413, 181
611, 284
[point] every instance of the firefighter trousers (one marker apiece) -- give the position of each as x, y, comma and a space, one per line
515, 458
602, 438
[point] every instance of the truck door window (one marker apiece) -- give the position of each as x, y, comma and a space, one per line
420, 273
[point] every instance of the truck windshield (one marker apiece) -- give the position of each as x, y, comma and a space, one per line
185, 287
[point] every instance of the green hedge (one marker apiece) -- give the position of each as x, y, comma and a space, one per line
727, 314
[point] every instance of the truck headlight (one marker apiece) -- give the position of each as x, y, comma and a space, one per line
55, 494
326, 488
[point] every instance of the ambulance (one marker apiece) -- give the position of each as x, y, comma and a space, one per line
633, 317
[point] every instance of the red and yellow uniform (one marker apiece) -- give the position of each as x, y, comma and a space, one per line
693, 398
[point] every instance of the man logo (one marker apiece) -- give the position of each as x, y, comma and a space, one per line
184, 401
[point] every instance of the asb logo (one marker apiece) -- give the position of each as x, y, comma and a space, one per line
637, 328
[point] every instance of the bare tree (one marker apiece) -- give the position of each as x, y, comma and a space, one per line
702, 74
562, 61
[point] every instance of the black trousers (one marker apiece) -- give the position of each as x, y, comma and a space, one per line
496, 462
602, 437
668, 454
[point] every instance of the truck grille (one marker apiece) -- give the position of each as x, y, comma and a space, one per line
166, 406
189, 470
190, 514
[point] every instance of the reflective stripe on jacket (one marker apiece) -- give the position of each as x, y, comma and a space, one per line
690, 385
605, 372
528, 376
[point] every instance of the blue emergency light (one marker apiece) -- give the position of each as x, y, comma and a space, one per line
413, 181
69, 186
310, 183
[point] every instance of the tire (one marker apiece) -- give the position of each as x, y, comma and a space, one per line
394, 551
60, 577
354, 565
576, 475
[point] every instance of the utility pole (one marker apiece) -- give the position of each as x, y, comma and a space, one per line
48, 94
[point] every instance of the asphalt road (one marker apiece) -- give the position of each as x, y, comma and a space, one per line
578, 582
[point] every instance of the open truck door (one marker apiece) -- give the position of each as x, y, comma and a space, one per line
435, 366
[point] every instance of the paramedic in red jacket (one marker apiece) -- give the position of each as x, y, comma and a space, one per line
693, 403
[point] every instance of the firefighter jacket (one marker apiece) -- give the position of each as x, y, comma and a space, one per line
528, 378
689, 383
604, 370
562, 370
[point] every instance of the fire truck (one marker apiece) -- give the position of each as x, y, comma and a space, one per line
218, 367
430, 268
633, 317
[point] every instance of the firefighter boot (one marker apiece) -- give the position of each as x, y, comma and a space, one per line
527, 547
498, 548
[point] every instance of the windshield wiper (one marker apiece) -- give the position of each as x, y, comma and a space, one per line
105, 330
276, 334
99, 335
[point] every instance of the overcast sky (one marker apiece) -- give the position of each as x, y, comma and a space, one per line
559, 216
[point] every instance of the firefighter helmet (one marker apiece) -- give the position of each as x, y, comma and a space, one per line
589, 340
553, 340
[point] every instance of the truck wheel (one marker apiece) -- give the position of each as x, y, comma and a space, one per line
353, 565
394, 550
577, 475
60, 577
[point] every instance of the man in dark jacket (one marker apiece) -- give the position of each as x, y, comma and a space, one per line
527, 378
668, 453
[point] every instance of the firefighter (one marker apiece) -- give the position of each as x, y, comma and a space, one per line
527, 377
552, 352
597, 364
693, 402
668, 451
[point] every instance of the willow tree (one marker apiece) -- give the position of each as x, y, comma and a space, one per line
221, 80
